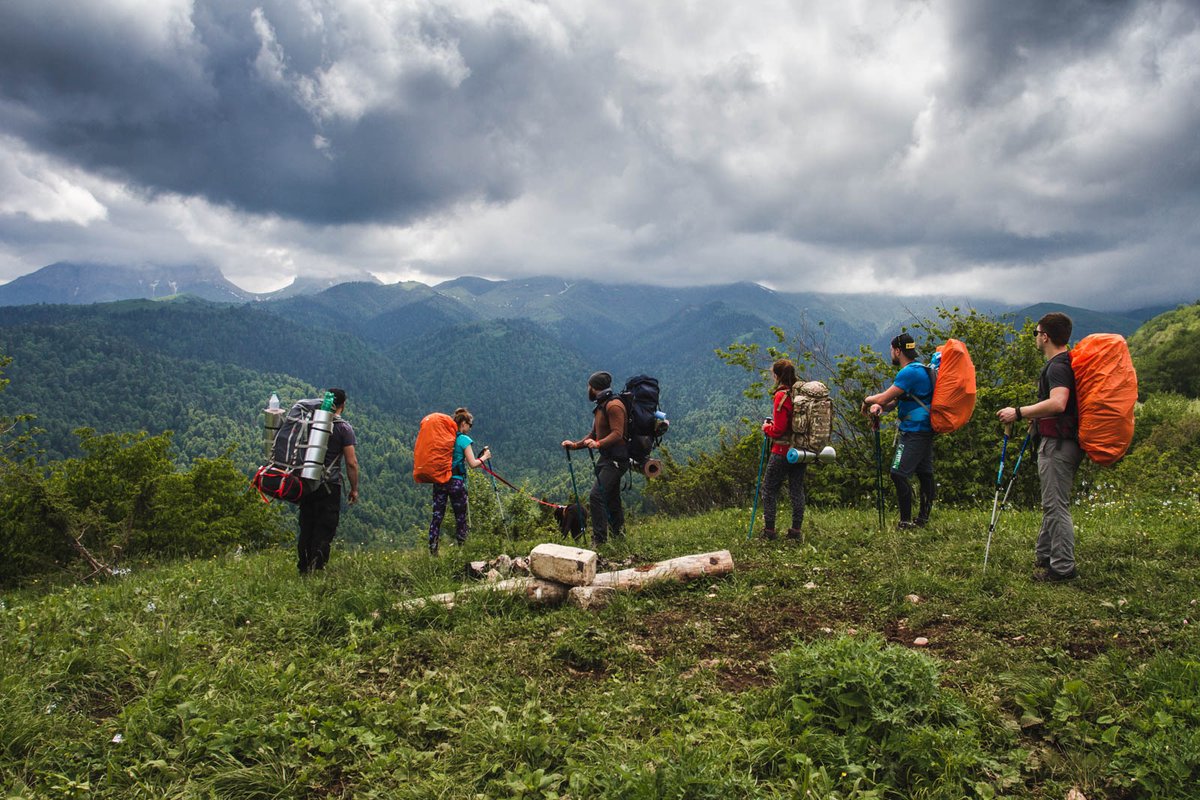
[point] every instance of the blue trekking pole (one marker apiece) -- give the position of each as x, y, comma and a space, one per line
762, 459
996, 499
1012, 478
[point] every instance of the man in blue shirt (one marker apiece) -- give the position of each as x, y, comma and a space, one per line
910, 395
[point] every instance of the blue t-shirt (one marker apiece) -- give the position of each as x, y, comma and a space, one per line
914, 380
458, 468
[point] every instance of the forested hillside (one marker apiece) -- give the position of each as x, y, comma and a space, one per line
517, 353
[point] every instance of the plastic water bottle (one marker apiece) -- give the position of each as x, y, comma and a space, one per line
327, 403
793, 455
272, 422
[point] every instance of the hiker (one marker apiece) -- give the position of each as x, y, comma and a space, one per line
910, 395
778, 466
608, 437
1058, 450
321, 510
455, 489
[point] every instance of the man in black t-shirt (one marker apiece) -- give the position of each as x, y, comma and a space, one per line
1056, 416
321, 511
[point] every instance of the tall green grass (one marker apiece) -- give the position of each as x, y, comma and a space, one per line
795, 676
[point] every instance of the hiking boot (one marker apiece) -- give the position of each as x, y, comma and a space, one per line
769, 534
1050, 576
795, 534
921, 522
1041, 563
906, 525
433, 549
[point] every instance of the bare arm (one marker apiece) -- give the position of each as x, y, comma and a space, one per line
351, 459
1056, 403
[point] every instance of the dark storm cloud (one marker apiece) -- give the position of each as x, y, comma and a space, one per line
196, 115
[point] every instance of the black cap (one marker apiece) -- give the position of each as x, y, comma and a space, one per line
600, 381
905, 344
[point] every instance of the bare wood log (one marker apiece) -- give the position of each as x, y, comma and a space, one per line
539, 591
592, 597
535, 590
684, 568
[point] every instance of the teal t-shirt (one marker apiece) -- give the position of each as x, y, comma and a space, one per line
914, 380
458, 468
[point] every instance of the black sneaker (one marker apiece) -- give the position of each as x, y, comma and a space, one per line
1041, 563
921, 522
1050, 576
905, 525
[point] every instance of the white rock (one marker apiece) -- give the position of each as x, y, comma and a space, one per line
920, 641
591, 597
573, 566
913, 598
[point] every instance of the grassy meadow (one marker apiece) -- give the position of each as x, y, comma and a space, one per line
797, 676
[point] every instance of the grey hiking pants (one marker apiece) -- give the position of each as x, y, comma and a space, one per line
1058, 460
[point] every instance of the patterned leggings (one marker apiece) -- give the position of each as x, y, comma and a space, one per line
456, 491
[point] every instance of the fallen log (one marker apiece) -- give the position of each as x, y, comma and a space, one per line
539, 591
535, 590
684, 568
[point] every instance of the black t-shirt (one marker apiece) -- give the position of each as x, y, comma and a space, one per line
1058, 373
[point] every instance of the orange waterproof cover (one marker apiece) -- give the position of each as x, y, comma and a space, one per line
954, 392
433, 454
1106, 392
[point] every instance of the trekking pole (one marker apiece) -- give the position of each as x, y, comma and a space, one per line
762, 459
499, 505
996, 500
574, 485
1012, 478
878, 470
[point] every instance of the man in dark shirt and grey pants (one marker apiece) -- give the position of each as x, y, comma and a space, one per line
320, 511
608, 437
1057, 418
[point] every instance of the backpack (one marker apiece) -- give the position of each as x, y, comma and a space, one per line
1105, 394
645, 425
433, 452
289, 476
952, 374
812, 417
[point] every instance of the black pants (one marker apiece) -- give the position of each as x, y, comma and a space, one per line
914, 454
319, 516
605, 499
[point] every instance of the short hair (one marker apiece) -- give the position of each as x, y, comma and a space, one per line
339, 397
785, 373
1057, 326
461, 415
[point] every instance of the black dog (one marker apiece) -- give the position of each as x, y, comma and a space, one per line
572, 520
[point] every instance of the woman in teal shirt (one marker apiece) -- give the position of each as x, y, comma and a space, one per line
455, 489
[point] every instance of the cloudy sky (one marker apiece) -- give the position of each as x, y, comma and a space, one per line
1021, 150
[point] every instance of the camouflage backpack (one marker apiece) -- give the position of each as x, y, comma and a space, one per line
812, 417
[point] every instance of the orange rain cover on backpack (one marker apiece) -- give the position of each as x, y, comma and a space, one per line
954, 391
1106, 393
433, 454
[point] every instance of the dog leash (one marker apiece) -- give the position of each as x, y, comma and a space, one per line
518, 490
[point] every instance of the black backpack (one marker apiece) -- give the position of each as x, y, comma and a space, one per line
644, 426
281, 477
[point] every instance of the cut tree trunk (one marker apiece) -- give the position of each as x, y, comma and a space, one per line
684, 568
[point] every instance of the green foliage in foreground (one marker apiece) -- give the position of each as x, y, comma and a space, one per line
124, 500
797, 676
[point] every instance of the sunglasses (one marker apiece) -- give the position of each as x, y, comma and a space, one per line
1037, 333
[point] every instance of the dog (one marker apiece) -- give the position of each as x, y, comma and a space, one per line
572, 520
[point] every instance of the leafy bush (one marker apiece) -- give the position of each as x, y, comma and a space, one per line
125, 499
880, 714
